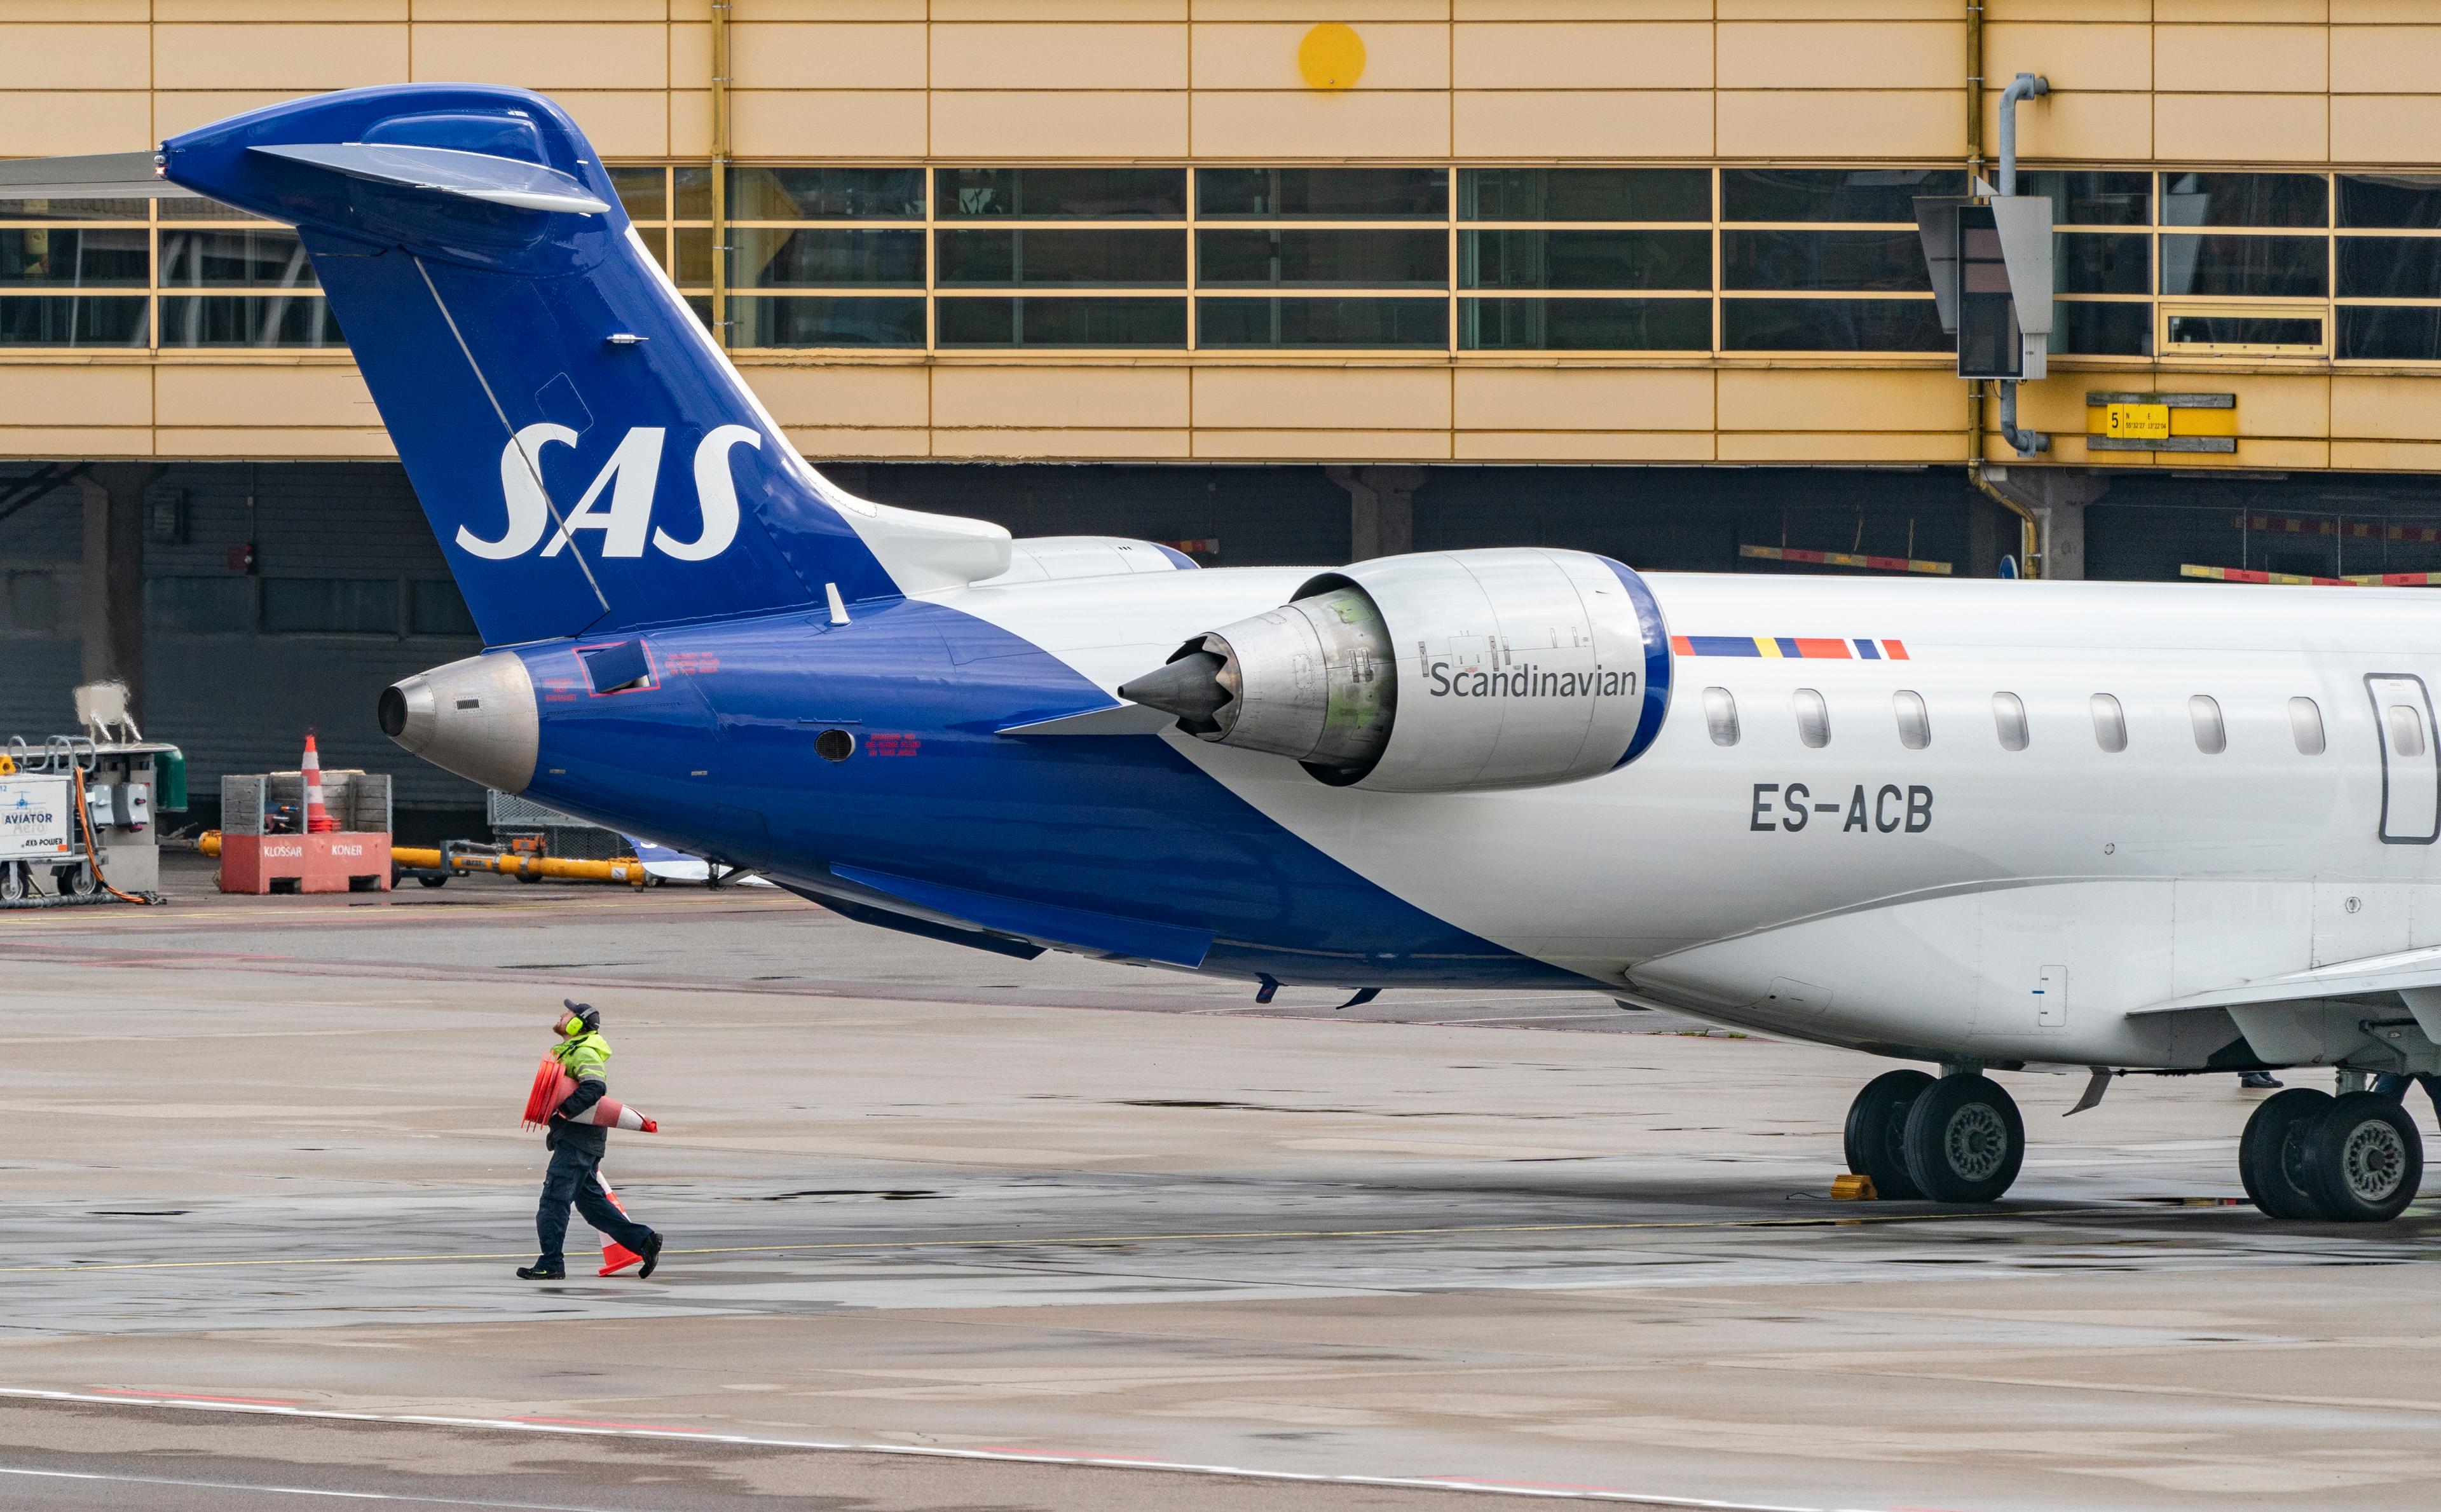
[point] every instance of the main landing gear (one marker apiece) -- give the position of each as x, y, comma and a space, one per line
2352, 1158
1955, 1139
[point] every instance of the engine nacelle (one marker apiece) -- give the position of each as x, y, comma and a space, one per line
1435, 673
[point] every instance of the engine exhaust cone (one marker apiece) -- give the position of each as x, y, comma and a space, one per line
1189, 688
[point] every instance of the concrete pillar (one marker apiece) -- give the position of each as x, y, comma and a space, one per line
113, 619
2058, 497
1380, 509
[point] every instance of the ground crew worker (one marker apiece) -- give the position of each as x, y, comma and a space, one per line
576, 1153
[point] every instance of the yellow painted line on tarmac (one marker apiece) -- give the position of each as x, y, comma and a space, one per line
1096, 1241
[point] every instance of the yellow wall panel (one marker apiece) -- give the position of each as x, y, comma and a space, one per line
58, 394
2386, 60
621, 122
1310, 123
2046, 10
272, 443
1037, 398
1824, 123
1077, 57
558, 12
2380, 10
55, 57
1265, 57
279, 10
534, 56
1844, 447
867, 55
1335, 398
1323, 445
817, 444
61, 123
2387, 456
1061, 445
2113, 128
2276, 405
751, 10
1584, 122
2385, 128
2213, 12
1583, 446
1349, 11
825, 123
2216, 58
1858, 9
2073, 58
1061, 10
2242, 128
1859, 400
1111, 124
218, 394
304, 57
1518, 11
1625, 55
14, 11
2385, 409
176, 110
691, 122
96, 443
1842, 55
1589, 399
852, 395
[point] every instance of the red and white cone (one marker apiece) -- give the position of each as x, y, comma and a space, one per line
615, 1256
551, 1087
317, 818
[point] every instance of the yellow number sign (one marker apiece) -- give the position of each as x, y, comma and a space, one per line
2136, 422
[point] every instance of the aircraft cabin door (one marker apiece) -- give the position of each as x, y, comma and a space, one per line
2410, 766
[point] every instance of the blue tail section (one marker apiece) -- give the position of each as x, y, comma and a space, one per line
587, 457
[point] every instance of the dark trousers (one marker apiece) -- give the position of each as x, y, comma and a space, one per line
2394, 1084
575, 1176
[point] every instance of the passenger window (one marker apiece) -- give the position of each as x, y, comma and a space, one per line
2406, 730
2306, 725
2210, 738
1813, 718
1915, 725
1721, 717
2009, 718
2109, 723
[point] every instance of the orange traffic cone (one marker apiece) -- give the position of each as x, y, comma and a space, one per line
550, 1089
317, 818
615, 1256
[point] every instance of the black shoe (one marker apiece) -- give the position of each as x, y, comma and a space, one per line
2262, 1081
541, 1273
651, 1253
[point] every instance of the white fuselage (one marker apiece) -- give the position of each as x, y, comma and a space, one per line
1964, 900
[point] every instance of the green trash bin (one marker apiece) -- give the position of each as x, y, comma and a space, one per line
170, 782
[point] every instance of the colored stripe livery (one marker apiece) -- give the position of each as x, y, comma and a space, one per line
1806, 648
1845, 559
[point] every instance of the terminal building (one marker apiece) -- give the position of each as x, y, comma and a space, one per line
1268, 282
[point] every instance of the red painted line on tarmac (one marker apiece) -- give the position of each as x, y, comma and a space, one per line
191, 1397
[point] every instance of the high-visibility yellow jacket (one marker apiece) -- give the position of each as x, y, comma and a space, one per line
585, 1059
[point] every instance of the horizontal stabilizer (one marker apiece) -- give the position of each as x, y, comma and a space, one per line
95, 175
448, 170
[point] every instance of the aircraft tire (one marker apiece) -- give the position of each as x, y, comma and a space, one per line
1876, 1128
2365, 1156
2271, 1155
1964, 1140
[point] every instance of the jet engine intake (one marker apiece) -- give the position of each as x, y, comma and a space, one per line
1437, 672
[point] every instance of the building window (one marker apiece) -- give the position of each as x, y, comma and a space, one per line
1721, 715
1813, 718
249, 320
437, 608
1660, 194
1322, 322
200, 605
1061, 193
1803, 233
2306, 725
1318, 259
1915, 721
1105, 258
1035, 321
2109, 723
1321, 193
329, 605
2212, 738
824, 194
824, 257
1584, 259
2009, 721
826, 322
1585, 325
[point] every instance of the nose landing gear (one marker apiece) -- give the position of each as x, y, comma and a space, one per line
2307, 1155
1955, 1140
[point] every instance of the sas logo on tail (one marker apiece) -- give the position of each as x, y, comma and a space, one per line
624, 516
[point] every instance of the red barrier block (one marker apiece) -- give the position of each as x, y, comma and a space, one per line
341, 862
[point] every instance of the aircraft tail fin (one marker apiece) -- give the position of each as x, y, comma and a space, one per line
587, 455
